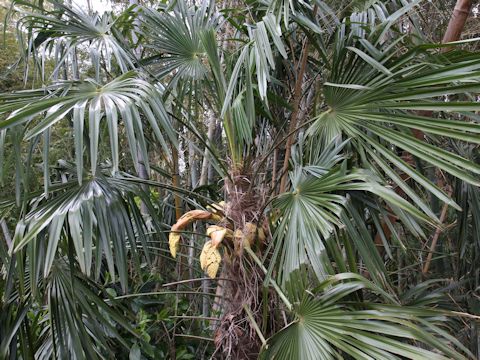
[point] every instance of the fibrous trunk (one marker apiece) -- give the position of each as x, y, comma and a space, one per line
235, 337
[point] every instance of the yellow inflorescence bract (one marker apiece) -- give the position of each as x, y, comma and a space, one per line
210, 259
216, 233
182, 222
174, 242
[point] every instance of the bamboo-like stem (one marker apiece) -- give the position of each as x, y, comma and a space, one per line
457, 21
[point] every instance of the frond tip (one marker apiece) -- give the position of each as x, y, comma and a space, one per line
210, 259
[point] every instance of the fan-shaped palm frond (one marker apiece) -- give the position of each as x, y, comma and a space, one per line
374, 107
65, 30
319, 206
127, 97
101, 219
80, 321
329, 324
176, 39
75, 319
254, 73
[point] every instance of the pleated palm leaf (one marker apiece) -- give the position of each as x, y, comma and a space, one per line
329, 322
373, 102
64, 31
319, 206
90, 106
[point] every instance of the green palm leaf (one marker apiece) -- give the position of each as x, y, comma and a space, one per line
327, 325
318, 206
176, 39
127, 97
373, 105
100, 217
61, 32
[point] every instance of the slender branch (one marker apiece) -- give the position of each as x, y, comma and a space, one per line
464, 314
194, 337
209, 318
296, 107
193, 280
443, 215
161, 293
254, 324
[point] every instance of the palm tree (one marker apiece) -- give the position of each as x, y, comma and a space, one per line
303, 114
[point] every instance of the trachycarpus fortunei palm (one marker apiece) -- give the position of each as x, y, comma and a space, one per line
312, 236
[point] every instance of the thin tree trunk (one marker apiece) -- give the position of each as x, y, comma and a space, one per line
192, 162
176, 183
202, 182
294, 118
296, 112
457, 21
206, 155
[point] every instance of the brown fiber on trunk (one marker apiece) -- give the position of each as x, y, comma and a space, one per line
235, 337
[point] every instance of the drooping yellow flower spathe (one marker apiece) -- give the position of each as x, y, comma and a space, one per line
210, 259
174, 242
174, 236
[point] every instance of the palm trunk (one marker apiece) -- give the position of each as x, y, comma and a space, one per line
242, 288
